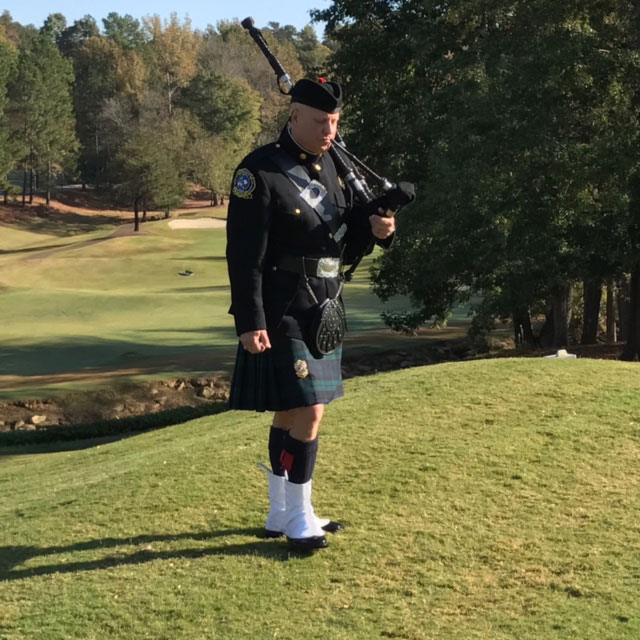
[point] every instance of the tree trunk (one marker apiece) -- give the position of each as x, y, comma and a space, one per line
214, 199
31, 186
167, 213
95, 175
136, 222
545, 339
144, 210
562, 299
611, 317
518, 336
631, 351
523, 331
591, 313
221, 199
6, 196
24, 187
49, 183
623, 309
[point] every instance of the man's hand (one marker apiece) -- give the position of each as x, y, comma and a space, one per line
255, 341
381, 226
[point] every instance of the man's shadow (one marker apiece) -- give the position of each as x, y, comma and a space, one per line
12, 557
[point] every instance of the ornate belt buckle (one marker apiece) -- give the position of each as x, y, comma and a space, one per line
328, 267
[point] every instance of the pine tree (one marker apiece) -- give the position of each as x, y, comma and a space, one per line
40, 111
8, 152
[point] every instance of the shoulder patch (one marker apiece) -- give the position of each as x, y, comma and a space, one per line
244, 184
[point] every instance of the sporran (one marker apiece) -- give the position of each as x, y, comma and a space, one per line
328, 326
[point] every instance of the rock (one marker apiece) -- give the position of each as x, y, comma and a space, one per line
18, 424
26, 427
38, 419
205, 392
180, 386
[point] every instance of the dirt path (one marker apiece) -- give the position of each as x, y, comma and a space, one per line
121, 231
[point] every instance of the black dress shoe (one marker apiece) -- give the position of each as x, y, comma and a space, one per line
308, 544
269, 533
333, 527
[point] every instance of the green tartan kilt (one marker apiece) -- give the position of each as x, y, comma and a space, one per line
285, 377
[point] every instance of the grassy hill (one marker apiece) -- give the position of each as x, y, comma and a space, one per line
489, 500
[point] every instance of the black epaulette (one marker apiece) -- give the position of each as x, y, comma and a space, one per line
261, 153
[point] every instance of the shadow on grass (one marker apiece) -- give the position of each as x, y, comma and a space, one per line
12, 557
15, 450
210, 258
41, 219
185, 330
93, 354
4, 252
48, 440
204, 289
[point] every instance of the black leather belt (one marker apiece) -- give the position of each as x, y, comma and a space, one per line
315, 267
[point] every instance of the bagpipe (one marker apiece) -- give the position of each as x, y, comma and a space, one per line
394, 196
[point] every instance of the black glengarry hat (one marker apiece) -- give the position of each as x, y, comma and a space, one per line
323, 95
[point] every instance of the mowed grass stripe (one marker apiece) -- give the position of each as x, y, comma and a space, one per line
121, 303
487, 499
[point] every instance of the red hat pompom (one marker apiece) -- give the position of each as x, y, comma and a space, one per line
321, 80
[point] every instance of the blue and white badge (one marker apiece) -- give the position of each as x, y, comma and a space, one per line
244, 184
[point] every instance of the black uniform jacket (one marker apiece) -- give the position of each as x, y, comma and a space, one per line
268, 219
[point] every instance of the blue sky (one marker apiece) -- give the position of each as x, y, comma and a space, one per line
295, 12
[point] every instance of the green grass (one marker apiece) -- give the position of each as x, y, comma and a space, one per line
490, 500
114, 305
79, 308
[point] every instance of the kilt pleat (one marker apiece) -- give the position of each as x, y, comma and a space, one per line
285, 377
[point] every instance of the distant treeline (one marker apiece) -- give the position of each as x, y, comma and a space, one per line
139, 109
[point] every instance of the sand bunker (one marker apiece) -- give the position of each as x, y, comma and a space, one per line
197, 223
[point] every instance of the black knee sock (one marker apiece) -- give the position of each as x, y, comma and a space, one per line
299, 459
276, 445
